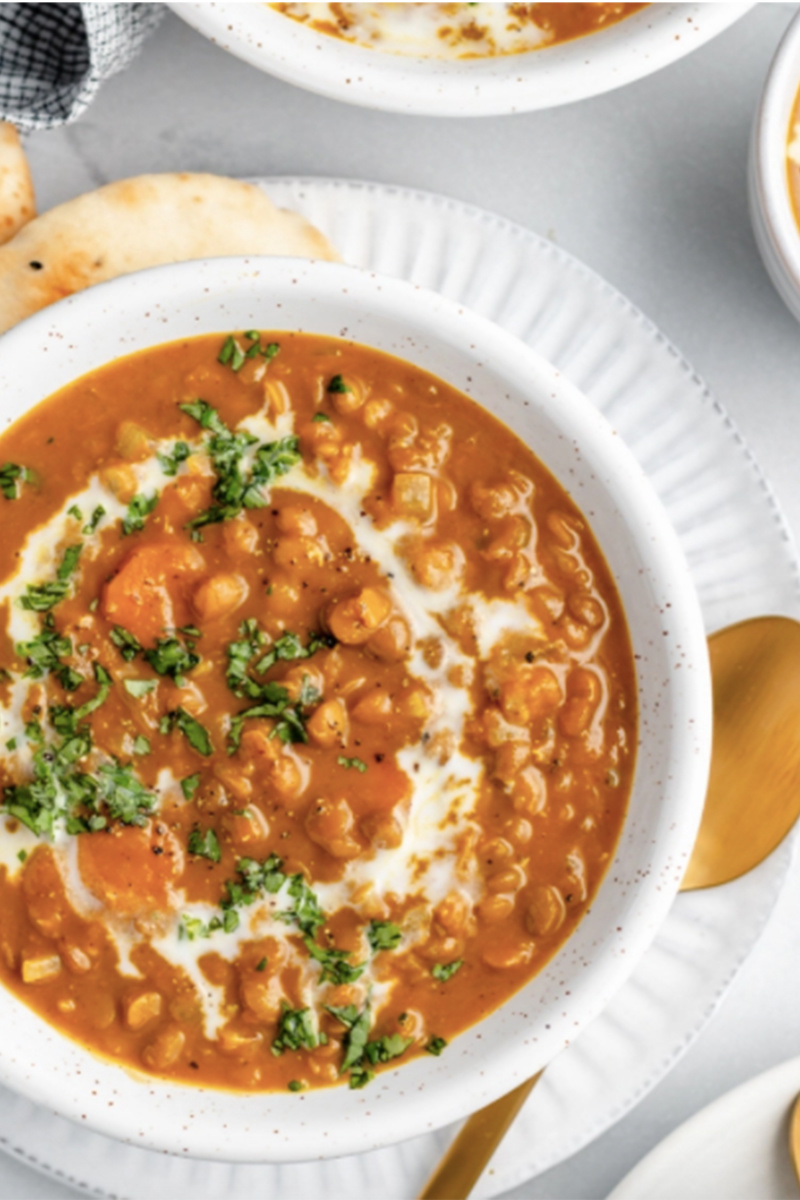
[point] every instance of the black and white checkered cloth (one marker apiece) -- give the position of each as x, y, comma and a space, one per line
54, 57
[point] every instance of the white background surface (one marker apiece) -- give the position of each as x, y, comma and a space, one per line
647, 186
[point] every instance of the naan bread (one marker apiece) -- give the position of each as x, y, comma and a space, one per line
140, 223
17, 201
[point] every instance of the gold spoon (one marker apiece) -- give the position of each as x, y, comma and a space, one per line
753, 800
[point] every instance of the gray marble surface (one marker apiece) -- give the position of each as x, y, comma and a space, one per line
647, 186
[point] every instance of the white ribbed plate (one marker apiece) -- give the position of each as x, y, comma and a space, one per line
743, 564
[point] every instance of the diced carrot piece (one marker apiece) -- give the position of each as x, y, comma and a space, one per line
147, 596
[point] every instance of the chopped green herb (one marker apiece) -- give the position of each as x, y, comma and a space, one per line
74, 511
12, 476
170, 462
262, 966
358, 763
139, 687
171, 657
11, 744
235, 489
139, 510
305, 912
44, 596
141, 745
70, 561
45, 651
296, 1031
321, 416
337, 385
296, 1085
127, 643
22, 855
445, 971
384, 935
435, 1046
189, 785
231, 354
195, 734
205, 845
94, 520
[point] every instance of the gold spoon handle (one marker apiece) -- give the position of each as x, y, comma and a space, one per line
462, 1165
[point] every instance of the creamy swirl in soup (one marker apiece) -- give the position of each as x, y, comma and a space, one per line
317, 711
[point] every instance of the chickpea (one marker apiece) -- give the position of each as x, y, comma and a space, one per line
277, 397
586, 609
376, 412
509, 880
75, 958
583, 696
239, 536
383, 831
219, 595
529, 793
492, 502
351, 400
452, 914
514, 534
165, 1050
295, 519
297, 551
120, 479
374, 709
141, 1009
43, 892
495, 908
248, 830
518, 573
498, 850
417, 703
261, 995
546, 911
189, 697
392, 642
437, 565
519, 830
330, 824
354, 619
510, 759
329, 725
132, 442
303, 678
504, 955
531, 693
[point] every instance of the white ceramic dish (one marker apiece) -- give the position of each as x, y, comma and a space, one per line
666, 627
735, 1149
638, 46
774, 223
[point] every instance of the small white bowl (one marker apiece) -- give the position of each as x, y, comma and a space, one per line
641, 44
774, 222
575, 442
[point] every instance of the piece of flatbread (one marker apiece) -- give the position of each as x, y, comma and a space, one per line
144, 222
17, 201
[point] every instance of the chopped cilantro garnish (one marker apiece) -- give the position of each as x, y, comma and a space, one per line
435, 1046
74, 511
357, 763
70, 561
12, 476
296, 1085
337, 385
127, 643
205, 845
141, 745
94, 520
170, 462
360, 1052
44, 596
189, 785
195, 734
11, 744
139, 687
237, 488
139, 510
22, 855
305, 912
445, 971
384, 935
296, 1031
321, 416
262, 965
171, 657
45, 651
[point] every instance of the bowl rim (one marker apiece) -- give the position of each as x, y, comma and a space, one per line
776, 226
437, 1099
635, 47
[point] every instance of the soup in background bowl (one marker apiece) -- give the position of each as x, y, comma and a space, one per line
278, 527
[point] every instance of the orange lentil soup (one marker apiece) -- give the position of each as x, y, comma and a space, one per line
317, 712
457, 30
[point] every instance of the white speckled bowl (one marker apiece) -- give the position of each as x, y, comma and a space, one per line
638, 46
774, 223
87, 330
